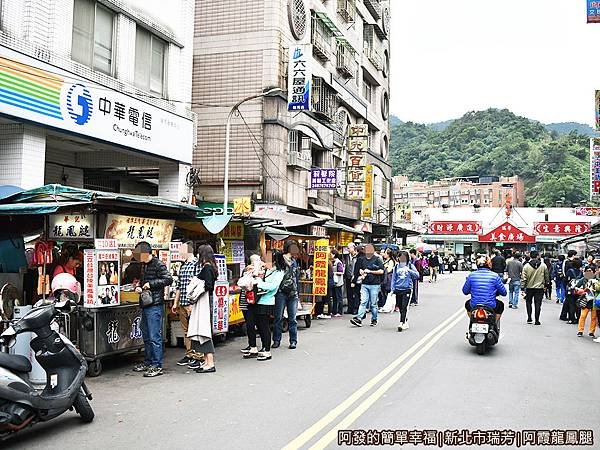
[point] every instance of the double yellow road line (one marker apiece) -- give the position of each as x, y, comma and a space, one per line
413, 354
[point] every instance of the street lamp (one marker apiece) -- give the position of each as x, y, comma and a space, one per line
235, 108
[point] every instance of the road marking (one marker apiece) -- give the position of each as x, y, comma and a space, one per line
370, 400
312, 431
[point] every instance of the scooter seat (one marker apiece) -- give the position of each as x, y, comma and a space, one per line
17, 363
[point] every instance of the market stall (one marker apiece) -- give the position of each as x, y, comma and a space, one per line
105, 227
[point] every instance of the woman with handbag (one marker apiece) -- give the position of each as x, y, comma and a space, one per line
264, 307
201, 299
589, 290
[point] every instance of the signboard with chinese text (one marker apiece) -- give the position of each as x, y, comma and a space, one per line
593, 11
234, 252
128, 231
242, 206
507, 233
587, 211
323, 179
594, 168
299, 78
403, 212
358, 130
357, 143
106, 244
367, 204
102, 278
357, 160
70, 227
321, 267
221, 307
562, 228
233, 231
356, 175
174, 248
222, 267
345, 238
318, 231
80, 106
455, 227
355, 190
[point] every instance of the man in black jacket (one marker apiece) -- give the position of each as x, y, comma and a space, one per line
155, 277
498, 264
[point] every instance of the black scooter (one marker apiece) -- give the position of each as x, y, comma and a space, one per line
21, 405
483, 330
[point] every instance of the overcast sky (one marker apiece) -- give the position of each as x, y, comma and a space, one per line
537, 58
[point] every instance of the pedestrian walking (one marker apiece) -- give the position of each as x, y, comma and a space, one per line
589, 288
499, 264
370, 270
388, 268
434, 266
414, 259
534, 278
548, 286
570, 307
181, 305
404, 277
338, 284
451, 263
514, 269
559, 278
263, 309
200, 326
287, 297
154, 279
351, 306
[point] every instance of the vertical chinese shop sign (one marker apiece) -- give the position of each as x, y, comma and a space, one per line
320, 267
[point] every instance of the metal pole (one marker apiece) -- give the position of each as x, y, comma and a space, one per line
391, 212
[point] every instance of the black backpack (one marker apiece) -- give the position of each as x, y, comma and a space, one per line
288, 283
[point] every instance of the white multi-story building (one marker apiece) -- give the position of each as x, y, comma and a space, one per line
96, 94
241, 49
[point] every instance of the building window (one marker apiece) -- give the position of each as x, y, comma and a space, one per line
92, 42
368, 91
150, 56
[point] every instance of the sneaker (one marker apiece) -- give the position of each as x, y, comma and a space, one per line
529, 321
323, 316
251, 354
263, 356
597, 340
337, 316
373, 323
292, 345
194, 364
141, 367
184, 361
537, 323
405, 326
580, 334
153, 372
275, 344
396, 309
592, 335
356, 322
246, 350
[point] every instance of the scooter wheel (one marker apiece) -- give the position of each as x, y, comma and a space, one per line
307, 321
481, 348
83, 408
94, 368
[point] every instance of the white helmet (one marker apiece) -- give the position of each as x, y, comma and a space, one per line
65, 283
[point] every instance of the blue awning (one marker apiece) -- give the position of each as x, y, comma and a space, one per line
35, 208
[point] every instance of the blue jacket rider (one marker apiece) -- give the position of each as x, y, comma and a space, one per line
484, 285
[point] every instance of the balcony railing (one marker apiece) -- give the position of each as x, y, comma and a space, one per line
321, 40
300, 160
347, 9
374, 7
324, 99
346, 64
374, 56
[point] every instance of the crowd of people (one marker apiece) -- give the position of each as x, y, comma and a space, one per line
575, 283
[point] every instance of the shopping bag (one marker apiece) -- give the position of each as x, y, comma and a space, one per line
390, 303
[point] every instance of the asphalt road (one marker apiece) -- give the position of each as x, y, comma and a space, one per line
340, 377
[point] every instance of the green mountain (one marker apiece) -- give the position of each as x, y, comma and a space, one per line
498, 143
567, 127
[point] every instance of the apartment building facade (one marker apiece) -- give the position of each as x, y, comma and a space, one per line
459, 192
96, 94
241, 49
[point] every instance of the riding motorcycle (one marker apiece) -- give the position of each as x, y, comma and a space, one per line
21, 405
483, 329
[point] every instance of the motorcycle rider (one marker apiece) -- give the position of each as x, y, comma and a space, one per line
484, 285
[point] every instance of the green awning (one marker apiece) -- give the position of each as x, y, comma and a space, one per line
323, 17
37, 208
345, 43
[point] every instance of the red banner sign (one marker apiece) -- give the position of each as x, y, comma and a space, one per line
562, 228
456, 227
508, 234
587, 211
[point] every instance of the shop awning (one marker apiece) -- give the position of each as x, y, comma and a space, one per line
281, 235
341, 227
286, 219
329, 24
37, 208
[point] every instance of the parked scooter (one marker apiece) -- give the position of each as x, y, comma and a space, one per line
483, 330
21, 405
